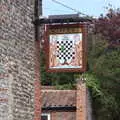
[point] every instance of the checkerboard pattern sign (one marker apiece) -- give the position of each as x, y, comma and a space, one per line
65, 51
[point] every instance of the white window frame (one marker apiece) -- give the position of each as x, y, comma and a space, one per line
46, 114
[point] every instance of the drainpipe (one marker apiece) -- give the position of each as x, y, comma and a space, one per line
37, 84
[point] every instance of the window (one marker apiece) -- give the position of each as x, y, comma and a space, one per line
45, 116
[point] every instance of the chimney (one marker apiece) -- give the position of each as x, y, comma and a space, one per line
81, 100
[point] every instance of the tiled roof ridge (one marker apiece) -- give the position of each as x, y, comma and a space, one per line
58, 98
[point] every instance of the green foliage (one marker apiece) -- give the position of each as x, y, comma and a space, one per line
104, 78
66, 86
109, 63
92, 83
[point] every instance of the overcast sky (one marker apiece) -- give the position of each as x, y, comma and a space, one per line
89, 7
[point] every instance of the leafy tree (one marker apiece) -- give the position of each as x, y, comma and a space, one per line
103, 78
103, 59
109, 25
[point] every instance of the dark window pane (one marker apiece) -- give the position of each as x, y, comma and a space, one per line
44, 118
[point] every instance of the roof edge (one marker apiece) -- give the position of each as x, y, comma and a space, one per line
60, 108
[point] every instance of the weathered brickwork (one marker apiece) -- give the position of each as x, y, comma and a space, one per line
81, 101
3, 93
17, 49
63, 116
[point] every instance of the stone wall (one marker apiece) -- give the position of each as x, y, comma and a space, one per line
17, 59
4, 109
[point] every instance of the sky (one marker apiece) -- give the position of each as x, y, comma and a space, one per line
90, 7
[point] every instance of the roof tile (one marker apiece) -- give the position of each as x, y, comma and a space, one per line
58, 98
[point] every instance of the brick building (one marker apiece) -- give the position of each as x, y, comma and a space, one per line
66, 104
19, 61
19, 69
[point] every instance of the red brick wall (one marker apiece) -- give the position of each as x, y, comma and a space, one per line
82, 106
81, 101
62, 115
37, 99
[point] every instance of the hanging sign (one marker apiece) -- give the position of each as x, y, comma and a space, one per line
65, 46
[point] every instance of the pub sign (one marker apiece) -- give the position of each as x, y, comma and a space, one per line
65, 46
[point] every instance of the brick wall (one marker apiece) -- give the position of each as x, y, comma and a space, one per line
17, 60
63, 116
81, 101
